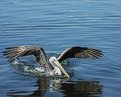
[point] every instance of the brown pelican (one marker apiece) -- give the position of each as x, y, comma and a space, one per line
38, 52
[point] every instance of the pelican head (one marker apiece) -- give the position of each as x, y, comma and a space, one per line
57, 67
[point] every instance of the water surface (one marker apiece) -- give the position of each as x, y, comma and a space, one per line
55, 26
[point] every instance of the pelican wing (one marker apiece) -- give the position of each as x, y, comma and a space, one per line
25, 50
80, 52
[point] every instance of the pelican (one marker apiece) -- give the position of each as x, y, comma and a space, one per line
40, 55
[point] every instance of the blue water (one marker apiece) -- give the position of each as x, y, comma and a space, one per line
55, 26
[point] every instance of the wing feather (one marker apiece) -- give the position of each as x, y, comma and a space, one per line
25, 50
20, 51
80, 52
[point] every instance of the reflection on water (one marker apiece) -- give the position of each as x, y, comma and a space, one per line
68, 88
81, 88
42, 86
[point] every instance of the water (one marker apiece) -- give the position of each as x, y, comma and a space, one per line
56, 25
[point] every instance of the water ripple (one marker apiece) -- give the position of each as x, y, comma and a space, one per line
55, 26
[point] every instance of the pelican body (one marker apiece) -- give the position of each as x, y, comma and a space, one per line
40, 55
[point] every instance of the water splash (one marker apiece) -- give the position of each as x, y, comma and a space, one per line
27, 68
32, 69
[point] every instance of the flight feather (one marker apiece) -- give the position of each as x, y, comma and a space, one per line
80, 52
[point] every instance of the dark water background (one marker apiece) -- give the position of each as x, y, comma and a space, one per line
56, 25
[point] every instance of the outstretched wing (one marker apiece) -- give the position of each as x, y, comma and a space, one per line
80, 52
25, 50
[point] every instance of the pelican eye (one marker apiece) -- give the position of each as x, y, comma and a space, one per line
54, 60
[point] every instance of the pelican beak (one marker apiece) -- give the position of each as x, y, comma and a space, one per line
62, 69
